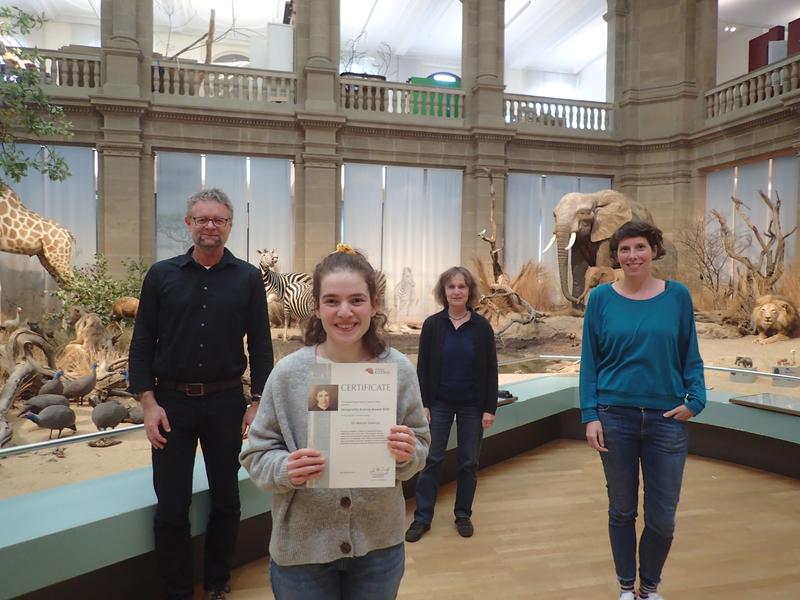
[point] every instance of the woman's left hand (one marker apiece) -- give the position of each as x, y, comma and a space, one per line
402, 443
487, 420
679, 413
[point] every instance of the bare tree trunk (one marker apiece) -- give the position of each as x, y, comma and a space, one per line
497, 268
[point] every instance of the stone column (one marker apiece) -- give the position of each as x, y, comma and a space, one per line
482, 60
664, 61
126, 211
317, 192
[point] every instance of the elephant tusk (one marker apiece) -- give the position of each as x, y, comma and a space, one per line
550, 243
572, 237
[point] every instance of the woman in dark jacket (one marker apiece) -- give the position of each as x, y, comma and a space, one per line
457, 370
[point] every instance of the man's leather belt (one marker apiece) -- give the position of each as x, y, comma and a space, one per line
200, 389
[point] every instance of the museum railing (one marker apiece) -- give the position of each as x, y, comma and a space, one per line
216, 85
366, 96
558, 113
68, 74
757, 90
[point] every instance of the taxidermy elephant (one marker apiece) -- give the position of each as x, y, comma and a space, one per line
597, 275
583, 228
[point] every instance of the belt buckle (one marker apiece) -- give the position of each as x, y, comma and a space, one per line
195, 389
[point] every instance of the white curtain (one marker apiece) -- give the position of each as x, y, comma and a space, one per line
178, 177
362, 209
719, 189
71, 203
408, 221
785, 175
259, 189
422, 235
271, 216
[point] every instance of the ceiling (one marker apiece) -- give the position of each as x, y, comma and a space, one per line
543, 35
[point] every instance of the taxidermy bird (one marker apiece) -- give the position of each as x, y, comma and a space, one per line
135, 415
54, 386
10, 324
54, 417
108, 415
37, 404
81, 386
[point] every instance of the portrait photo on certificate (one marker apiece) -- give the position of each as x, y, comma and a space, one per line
351, 407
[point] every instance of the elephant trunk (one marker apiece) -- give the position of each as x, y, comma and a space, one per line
562, 239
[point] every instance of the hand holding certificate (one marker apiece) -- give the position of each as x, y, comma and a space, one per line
351, 422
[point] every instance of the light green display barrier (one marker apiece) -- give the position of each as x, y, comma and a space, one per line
56, 534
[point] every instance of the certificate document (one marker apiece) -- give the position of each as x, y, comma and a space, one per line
351, 407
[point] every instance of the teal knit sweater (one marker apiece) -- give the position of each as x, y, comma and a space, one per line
640, 353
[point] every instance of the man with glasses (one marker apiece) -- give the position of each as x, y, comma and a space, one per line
186, 362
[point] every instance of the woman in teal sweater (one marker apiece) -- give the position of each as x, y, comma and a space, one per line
641, 380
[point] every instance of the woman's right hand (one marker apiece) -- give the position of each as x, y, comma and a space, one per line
305, 464
594, 436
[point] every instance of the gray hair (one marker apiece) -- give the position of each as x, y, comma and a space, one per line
210, 195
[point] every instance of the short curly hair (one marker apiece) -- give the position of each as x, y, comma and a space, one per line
632, 229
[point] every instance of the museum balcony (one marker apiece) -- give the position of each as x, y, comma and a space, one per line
766, 89
76, 75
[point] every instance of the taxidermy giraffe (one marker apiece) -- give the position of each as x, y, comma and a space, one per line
23, 231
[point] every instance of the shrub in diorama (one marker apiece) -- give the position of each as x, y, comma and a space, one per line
93, 289
703, 251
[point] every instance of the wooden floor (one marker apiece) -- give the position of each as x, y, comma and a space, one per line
540, 533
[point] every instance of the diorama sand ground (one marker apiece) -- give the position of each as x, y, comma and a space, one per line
69, 463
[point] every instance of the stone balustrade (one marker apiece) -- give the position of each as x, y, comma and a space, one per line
72, 74
370, 96
225, 84
557, 113
756, 89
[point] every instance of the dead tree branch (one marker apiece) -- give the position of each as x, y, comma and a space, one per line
497, 268
530, 314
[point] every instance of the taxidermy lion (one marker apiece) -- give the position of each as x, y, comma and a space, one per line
774, 319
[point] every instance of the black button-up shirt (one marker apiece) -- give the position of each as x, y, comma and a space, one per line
191, 321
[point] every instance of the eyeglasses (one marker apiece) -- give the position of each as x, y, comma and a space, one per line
203, 221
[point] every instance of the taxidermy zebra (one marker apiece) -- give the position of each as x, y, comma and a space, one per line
404, 293
293, 289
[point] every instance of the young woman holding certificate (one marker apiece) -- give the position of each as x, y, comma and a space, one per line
457, 368
334, 543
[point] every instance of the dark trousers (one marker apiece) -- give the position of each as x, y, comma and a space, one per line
469, 430
216, 421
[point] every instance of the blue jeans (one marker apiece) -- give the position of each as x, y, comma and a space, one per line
634, 436
374, 576
470, 435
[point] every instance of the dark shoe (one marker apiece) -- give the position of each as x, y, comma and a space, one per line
217, 594
416, 531
464, 526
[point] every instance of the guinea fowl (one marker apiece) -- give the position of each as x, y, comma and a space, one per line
54, 386
135, 415
108, 415
81, 386
37, 404
54, 417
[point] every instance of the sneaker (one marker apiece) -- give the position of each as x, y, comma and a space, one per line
416, 531
627, 596
464, 526
654, 596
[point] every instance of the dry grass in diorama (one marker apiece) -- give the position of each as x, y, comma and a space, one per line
534, 284
789, 284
